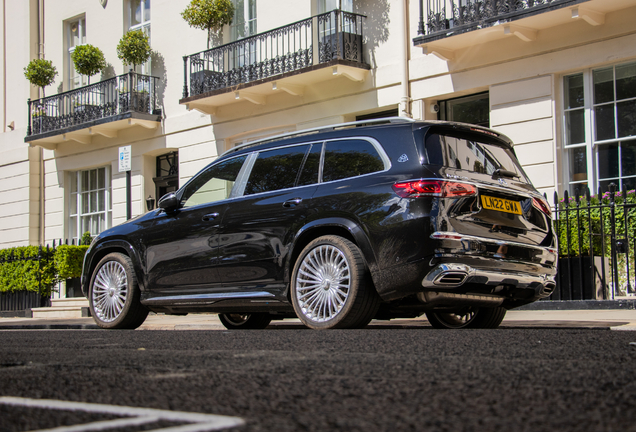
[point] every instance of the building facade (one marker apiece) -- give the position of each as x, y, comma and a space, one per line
557, 76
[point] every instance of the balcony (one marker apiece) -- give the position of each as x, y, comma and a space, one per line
448, 25
287, 58
102, 109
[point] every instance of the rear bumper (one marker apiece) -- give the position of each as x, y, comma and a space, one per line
449, 276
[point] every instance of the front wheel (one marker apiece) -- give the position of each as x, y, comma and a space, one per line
114, 294
469, 317
238, 321
331, 286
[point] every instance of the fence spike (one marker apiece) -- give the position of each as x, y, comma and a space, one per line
587, 195
556, 200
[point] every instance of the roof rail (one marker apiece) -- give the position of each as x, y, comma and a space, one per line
320, 129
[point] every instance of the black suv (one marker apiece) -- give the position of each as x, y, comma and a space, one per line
337, 226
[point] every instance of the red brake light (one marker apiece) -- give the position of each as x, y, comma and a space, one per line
437, 188
542, 204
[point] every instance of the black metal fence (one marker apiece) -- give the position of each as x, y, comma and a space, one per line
334, 35
597, 245
130, 92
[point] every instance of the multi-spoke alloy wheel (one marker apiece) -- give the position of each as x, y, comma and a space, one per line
323, 283
110, 290
469, 317
114, 295
331, 287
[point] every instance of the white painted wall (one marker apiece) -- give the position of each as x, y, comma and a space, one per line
522, 78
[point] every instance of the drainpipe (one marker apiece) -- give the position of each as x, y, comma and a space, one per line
405, 100
42, 184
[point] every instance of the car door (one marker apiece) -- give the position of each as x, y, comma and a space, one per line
258, 228
181, 255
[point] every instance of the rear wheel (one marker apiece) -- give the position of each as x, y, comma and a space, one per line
331, 286
114, 294
238, 321
469, 317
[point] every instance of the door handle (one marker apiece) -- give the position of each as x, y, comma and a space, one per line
210, 216
292, 202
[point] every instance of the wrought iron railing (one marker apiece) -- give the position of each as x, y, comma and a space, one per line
455, 16
115, 96
597, 245
317, 40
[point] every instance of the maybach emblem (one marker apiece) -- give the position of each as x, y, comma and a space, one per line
403, 158
503, 182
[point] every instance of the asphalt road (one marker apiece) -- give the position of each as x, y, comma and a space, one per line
417, 379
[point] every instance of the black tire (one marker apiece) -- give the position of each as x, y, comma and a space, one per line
331, 273
255, 321
469, 317
114, 294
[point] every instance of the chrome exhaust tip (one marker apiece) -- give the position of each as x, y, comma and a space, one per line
447, 275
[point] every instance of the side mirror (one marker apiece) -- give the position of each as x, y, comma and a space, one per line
168, 202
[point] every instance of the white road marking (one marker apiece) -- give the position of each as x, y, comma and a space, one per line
134, 416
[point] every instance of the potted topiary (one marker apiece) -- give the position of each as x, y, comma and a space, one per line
40, 73
210, 15
88, 61
134, 49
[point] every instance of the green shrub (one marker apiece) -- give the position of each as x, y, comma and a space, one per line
40, 73
24, 275
208, 15
86, 239
133, 48
88, 60
596, 218
69, 260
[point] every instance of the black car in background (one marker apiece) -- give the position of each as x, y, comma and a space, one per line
337, 226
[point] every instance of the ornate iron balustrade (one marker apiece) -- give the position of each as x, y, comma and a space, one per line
320, 39
110, 98
449, 17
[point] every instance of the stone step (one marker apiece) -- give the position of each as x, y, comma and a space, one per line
64, 308
70, 302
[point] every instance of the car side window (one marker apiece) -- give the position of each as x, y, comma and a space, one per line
350, 158
213, 184
276, 169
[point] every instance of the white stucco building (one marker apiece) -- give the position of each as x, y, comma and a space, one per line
557, 76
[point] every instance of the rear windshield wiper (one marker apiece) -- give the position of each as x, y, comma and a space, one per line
500, 172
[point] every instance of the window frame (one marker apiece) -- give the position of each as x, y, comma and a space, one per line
70, 48
145, 25
591, 143
77, 196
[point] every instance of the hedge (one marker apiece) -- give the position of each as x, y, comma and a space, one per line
598, 211
19, 273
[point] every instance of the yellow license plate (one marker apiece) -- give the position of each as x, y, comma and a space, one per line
500, 204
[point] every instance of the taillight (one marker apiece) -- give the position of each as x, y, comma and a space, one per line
542, 204
436, 188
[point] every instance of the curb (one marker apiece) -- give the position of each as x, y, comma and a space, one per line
579, 305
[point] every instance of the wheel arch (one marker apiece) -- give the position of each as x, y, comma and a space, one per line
105, 248
342, 227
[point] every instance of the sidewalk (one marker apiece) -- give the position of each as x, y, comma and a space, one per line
614, 319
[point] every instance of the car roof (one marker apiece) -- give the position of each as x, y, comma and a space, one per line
358, 128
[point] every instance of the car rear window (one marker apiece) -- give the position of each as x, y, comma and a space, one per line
471, 154
350, 158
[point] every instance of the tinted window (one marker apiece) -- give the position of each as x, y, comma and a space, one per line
214, 184
471, 155
350, 158
276, 169
309, 173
